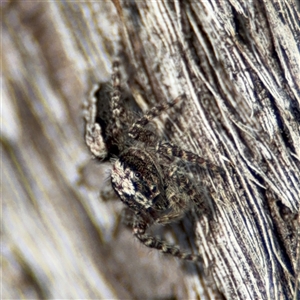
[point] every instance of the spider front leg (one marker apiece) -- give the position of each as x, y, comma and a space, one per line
139, 228
181, 194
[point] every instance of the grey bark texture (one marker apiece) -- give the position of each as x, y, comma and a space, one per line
237, 62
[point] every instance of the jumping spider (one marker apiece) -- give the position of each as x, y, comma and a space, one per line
145, 173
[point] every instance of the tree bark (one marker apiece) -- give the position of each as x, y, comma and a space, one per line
238, 65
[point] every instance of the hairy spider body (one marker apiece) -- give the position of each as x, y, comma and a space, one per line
145, 175
137, 179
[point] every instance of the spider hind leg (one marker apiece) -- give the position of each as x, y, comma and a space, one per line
137, 130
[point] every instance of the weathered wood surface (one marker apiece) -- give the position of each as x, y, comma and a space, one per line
237, 62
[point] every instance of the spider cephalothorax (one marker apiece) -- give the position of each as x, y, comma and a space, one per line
138, 180
145, 173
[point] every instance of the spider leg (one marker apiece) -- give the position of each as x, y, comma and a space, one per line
94, 137
93, 133
127, 217
119, 113
179, 207
169, 150
181, 193
139, 229
137, 130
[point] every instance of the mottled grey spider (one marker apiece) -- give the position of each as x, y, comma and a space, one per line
145, 173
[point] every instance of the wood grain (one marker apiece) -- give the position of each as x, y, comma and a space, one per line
238, 64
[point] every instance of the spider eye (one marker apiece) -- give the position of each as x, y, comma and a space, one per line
138, 175
153, 188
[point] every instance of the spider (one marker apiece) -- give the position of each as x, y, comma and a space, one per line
145, 173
